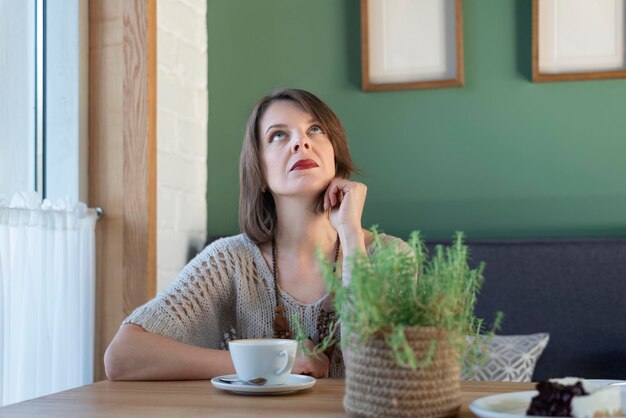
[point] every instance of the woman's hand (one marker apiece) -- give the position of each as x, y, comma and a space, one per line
346, 200
316, 366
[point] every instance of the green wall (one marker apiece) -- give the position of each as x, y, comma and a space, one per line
500, 157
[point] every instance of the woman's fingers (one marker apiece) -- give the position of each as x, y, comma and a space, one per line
338, 189
335, 192
312, 366
344, 201
316, 366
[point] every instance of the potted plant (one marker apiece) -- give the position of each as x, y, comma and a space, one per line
404, 319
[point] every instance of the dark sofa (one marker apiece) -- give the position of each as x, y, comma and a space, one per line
574, 289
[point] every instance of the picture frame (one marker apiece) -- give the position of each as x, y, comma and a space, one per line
578, 40
408, 44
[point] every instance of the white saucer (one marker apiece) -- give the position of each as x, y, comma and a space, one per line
295, 382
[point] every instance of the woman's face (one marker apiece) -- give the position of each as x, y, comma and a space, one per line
298, 158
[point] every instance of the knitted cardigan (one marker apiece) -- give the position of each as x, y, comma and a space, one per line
227, 292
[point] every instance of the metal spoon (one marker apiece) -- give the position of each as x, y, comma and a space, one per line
257, 381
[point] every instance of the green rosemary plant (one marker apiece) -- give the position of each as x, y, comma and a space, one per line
399, 287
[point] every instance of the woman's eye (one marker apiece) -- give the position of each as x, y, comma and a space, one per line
277, 136
316, 130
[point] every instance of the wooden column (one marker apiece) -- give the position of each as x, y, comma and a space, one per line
122, 159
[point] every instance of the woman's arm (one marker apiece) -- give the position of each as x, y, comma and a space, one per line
135, 354
177, 335
346, 200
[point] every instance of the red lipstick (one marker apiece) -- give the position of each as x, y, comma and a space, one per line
304, 165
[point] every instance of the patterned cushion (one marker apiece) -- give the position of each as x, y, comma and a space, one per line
510, 358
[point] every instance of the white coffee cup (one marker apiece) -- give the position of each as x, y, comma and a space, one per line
270, 358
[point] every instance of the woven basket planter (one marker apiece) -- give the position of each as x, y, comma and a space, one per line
377, 387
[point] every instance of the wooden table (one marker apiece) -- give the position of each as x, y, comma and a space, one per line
201, 399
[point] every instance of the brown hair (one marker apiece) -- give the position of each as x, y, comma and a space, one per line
257, 211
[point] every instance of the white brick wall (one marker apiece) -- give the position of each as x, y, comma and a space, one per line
182, 114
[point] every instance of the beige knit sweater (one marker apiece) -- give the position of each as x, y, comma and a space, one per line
227, 292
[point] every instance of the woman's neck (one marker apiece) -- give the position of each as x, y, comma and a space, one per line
301, 230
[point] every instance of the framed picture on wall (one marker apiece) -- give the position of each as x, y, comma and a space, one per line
411, 44
578, 40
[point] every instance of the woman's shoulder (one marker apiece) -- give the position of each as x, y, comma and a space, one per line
230, 245
225, 253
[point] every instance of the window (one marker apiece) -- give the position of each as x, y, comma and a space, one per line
43, 108
43, 83
18, 61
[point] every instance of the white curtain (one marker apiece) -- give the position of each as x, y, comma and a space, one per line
47, 281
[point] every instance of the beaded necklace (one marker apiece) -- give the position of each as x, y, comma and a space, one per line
325, 316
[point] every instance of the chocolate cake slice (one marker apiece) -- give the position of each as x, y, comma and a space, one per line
575, 397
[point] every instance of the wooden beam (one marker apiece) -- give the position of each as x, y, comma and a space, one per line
122, 159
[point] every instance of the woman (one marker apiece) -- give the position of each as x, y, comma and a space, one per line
295, 197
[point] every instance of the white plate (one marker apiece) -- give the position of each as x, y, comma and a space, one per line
515, 404
295, 382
